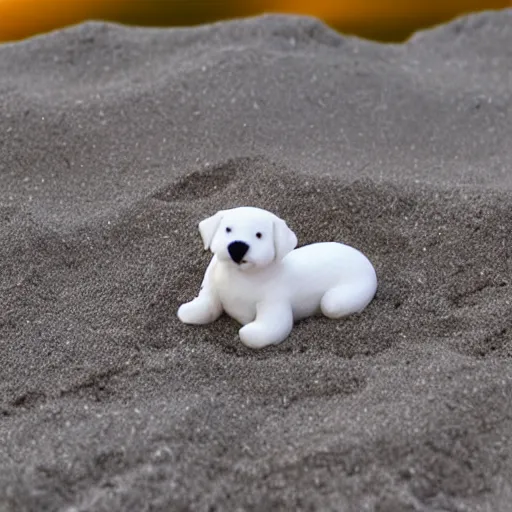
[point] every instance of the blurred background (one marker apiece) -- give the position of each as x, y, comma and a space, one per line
383, 20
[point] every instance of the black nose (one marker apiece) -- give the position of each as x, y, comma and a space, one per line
237, 251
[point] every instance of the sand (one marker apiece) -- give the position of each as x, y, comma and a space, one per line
117, 141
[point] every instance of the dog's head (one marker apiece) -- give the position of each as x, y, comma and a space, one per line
247, 237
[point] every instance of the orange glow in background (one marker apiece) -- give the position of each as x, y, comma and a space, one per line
392, 20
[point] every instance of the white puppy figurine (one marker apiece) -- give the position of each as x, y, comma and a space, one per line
258, 277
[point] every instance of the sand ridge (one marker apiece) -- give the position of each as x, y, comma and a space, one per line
117, 141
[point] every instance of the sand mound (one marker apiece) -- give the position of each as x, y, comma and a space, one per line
117, 141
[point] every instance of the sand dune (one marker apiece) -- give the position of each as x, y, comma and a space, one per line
117, 141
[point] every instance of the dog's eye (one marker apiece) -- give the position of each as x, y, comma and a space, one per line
228, 230
258, 235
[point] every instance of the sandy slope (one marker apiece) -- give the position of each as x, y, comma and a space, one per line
116, 142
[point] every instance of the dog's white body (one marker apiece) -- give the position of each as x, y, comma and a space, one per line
274, 285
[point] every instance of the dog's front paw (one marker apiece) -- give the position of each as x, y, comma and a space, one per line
197, 312
253, 335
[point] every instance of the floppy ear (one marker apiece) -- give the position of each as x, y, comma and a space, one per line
285, 239
208, 227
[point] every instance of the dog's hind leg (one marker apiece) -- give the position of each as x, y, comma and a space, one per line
348, 298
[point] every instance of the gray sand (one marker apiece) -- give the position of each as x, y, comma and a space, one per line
115, 142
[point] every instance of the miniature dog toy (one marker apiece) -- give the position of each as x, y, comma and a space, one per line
259, 278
